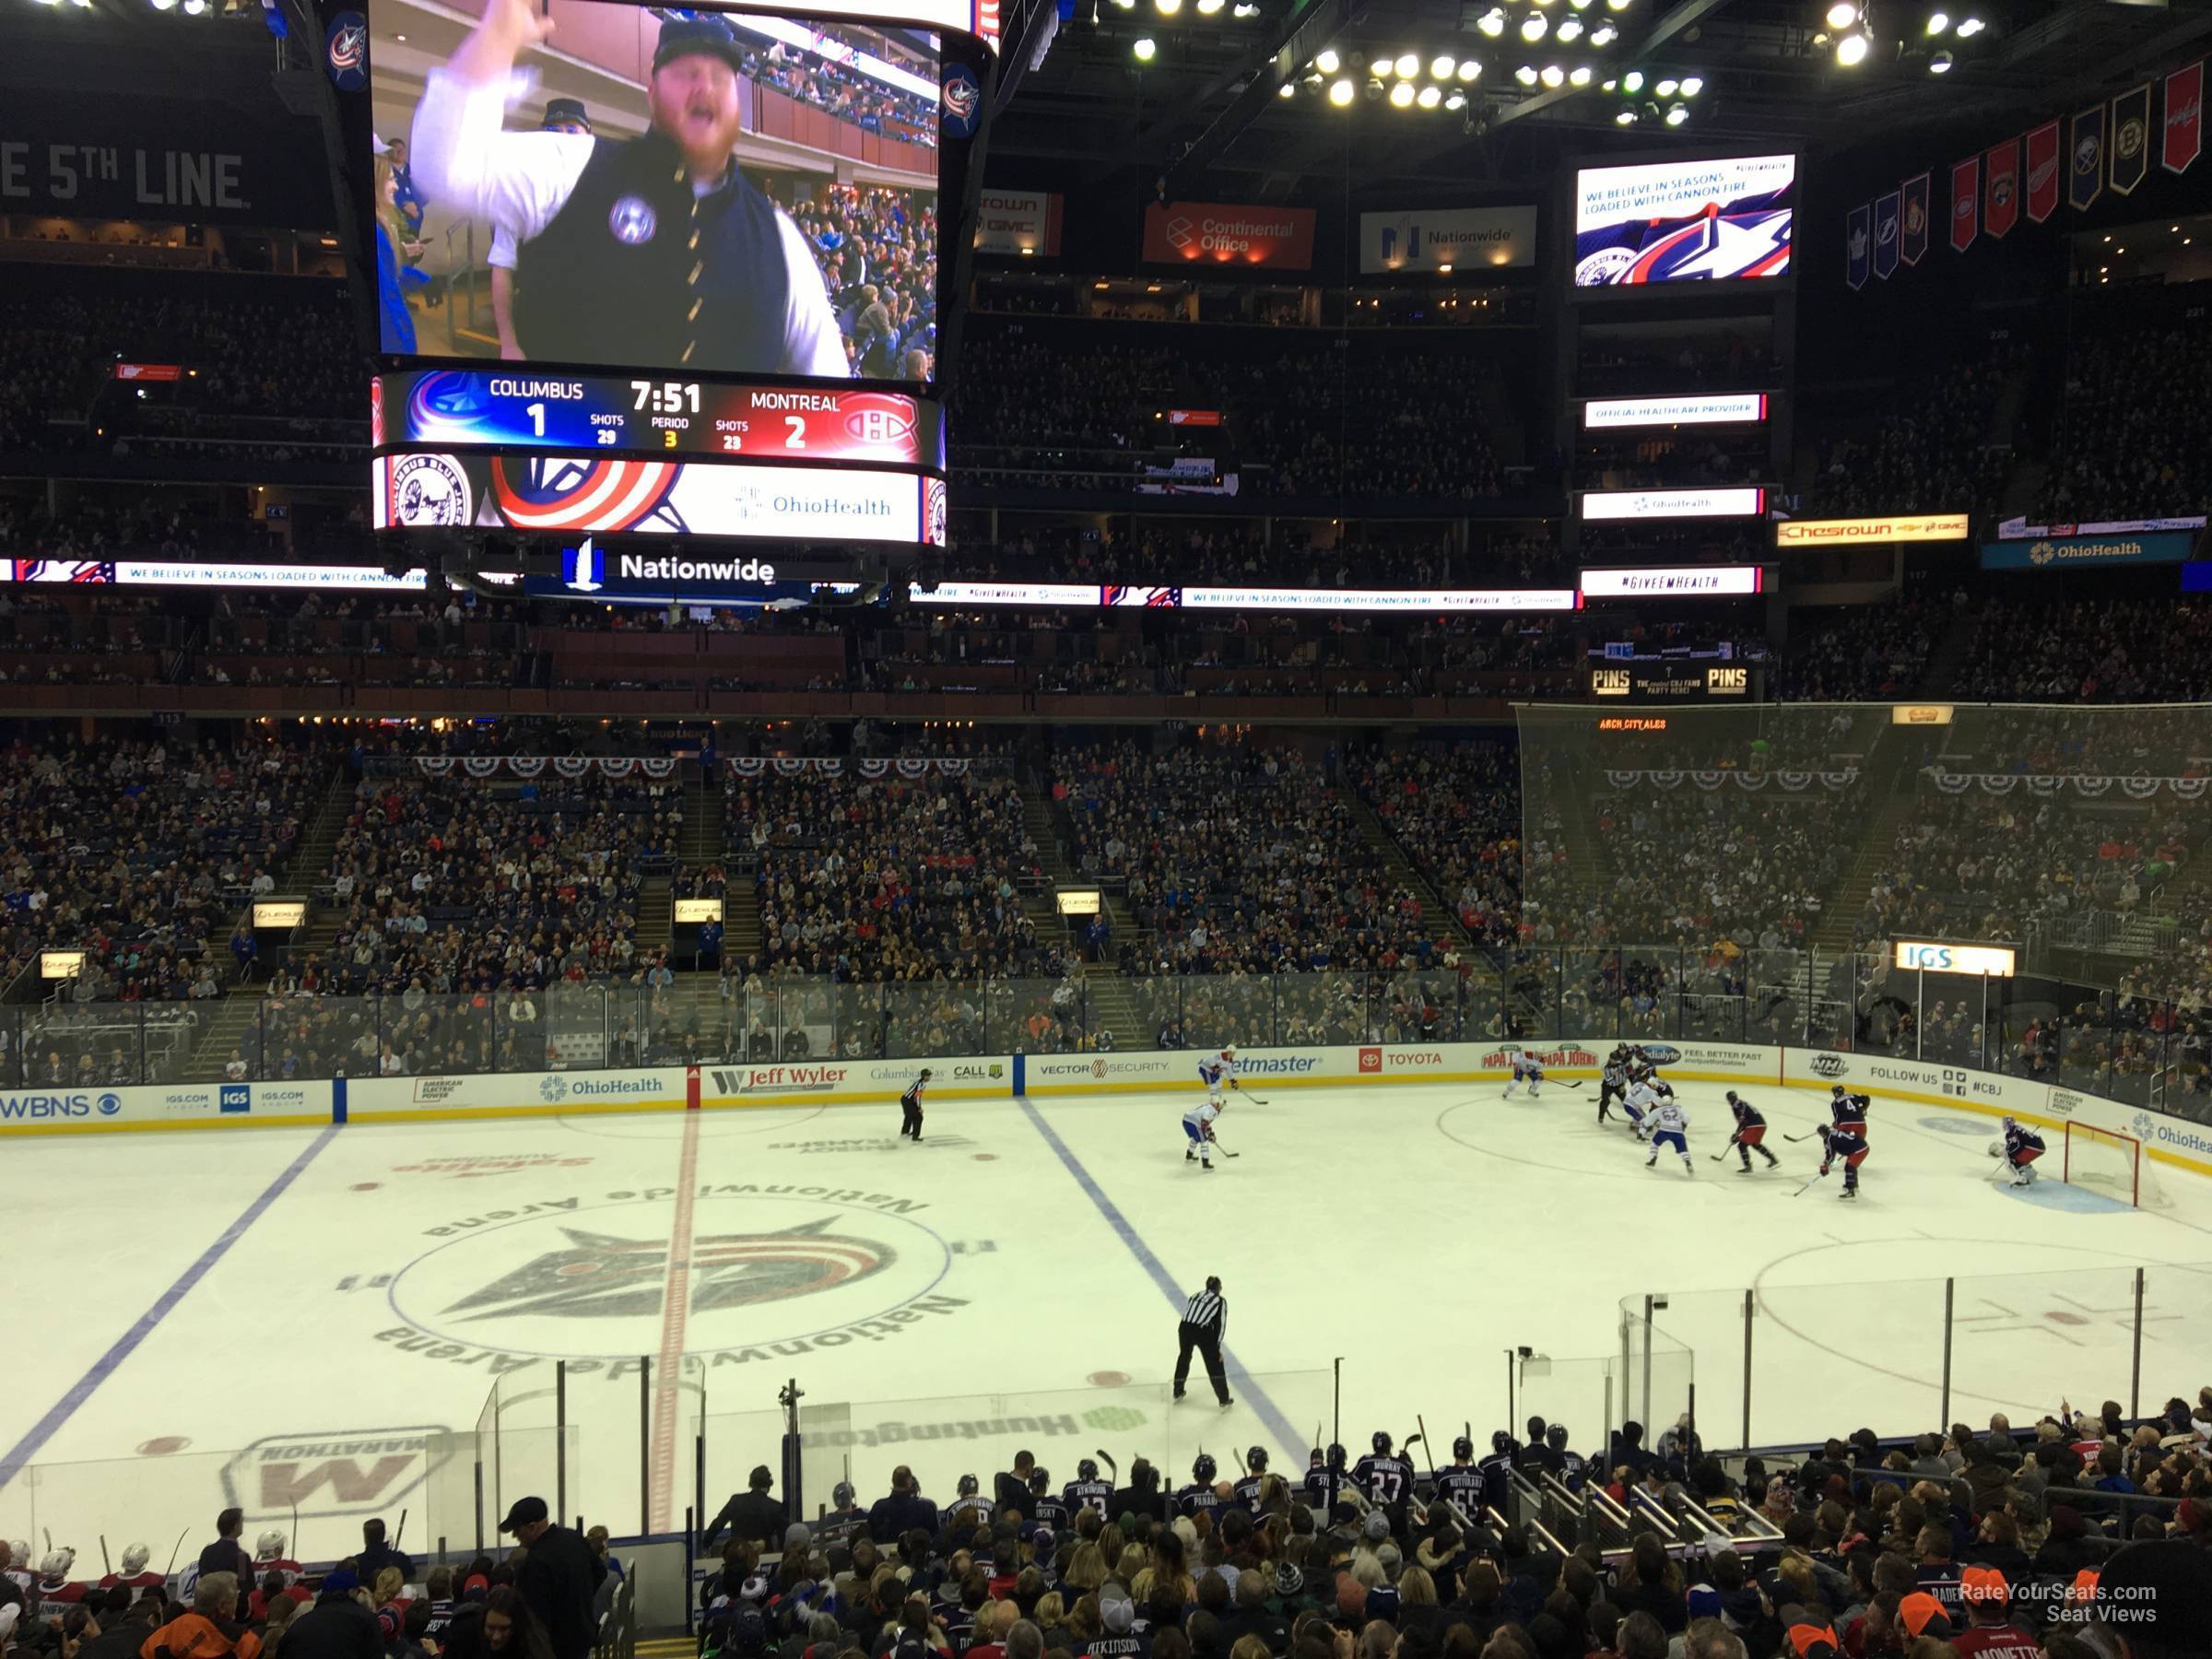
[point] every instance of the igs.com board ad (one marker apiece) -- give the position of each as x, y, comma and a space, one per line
1684, 222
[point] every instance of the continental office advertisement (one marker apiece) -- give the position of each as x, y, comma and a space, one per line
2073, 552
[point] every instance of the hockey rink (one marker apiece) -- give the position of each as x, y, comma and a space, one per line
309, 1318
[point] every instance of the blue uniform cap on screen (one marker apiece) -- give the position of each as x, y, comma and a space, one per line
562, 111
682, 37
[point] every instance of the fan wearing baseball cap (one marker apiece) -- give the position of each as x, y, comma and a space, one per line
652, 251
1989, 1628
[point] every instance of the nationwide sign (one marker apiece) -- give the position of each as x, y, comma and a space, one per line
1279, 239
2071, 552
1447, 238
1612, 414
1683, 582
1019, 222
1607, 505
1405, 600
1832, 532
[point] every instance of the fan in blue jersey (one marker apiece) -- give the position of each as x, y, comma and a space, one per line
1527, 1069
1200, 1494
2023, 1145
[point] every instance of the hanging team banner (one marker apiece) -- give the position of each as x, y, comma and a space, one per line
1857, 241
1966, 192
2184, 117
2043, 171
2001, 203
2085, 161
1886, 210
1913, 238
2131, 139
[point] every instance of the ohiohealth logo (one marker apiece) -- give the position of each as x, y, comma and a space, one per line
2146, 1126
553, 1089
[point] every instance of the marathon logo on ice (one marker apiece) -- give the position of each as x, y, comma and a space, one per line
331, 1474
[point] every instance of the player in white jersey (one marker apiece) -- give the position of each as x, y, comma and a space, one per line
1645, 1095
1216, 1070
1198, 1131
1670, 1127
1528, 1069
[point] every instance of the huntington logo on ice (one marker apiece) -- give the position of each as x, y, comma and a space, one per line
770, 1271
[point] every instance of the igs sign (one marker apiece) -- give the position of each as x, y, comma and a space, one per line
1995, 962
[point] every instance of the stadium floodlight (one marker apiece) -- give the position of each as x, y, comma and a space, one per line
1626, 118
1937, 22
1526, 75
1125, 5
1374, 89
1553, 76
1457, 100
1633, 81
1243, 8
1207, 9
1167, 8
1676, 113
1533, 28
1326, 60
1851, 50
1440, 68
194, 8
1618, 6
1970, 26
163, 5
1340, 93
1469, 69
1145, 47
1940, 63
1666, 88
1430, 96
1842, 15
1409, 63
1384, 67
1288, 89
1579, 75
1608, 85
1692, 85
1491, 23
1604, 34
1570, 30
1401, 95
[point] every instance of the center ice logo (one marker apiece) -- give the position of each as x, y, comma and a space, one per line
592, 1278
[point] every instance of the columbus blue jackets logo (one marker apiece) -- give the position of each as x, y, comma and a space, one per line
585, 495
961, 103
632, 220
602, 1275
1715, 246
427, 490
346, 51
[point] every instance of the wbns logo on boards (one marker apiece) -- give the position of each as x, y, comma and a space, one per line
56, 1107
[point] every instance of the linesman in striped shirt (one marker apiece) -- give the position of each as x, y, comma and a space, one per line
1205, 1324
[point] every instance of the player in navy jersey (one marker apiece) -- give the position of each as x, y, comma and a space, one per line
1200, 1494
1495, 1470
1750, 1133
1848, 1111
1573, 1466
1459, 1482
1087, 1491
1247, 1490
1385, 1477
1843, 1141
1326, 1481
2023, 1145
971, 1508
1045, 1509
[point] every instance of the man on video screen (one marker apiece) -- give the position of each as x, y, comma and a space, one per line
651, 252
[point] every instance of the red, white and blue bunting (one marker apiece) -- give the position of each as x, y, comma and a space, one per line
2091, 785
835, 765
1795, 783
659, 767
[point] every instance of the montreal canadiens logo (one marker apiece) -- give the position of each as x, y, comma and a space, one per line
590, 1279
429, 490
346, 49
632, 220
879, 420
962, 101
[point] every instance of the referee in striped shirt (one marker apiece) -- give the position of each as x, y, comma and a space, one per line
1205, 1324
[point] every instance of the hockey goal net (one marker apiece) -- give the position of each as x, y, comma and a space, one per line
2106, 1161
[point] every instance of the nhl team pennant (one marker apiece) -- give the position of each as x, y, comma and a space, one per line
1913, 238
2184, 117
2085, 161
2001, 198
2043, 171
1887, 212
1856, 239
1966, 191
2131, 140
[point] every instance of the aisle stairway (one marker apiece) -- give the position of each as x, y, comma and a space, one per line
1843, 903
1398, 870
1113, 1007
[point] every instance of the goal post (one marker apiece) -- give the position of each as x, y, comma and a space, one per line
2107, 1161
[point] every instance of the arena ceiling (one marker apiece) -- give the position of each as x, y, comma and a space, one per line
1208, 99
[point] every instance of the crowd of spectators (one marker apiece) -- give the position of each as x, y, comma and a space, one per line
2108, 650
2133, 436
1234, 859
870, 103
1932, 451
1455, 809
1856, 653
877, 248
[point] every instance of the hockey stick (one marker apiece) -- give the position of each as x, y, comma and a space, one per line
172, 1554
401, 1531
1220, 1147
105, 1565
1255, 1099
1724, 1151
1427, 1449
1816, 1175
1808, 1135
1108, 1461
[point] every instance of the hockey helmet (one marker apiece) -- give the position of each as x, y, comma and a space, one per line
1555, 1437
2010, 1124
270, 1546
1202, 1468
1088, 1469
969, 1484
135, 1558
842, 1494
1380, 1443
1462, 1448
1040, 1481
1336, 1456
1500, 1441
1835, 1091
1256, 1460
1734, 1098
58, 1562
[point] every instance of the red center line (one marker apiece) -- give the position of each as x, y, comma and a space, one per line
675, 1308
